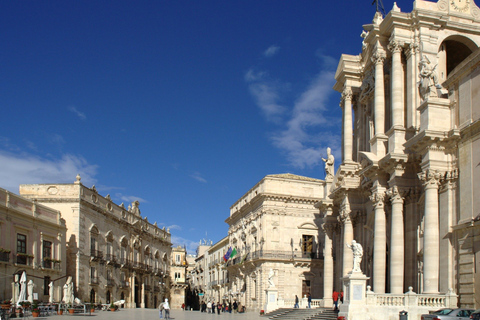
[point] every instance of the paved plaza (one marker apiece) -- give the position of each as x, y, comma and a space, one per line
152, 314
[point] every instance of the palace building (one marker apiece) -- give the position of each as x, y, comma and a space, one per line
112, 252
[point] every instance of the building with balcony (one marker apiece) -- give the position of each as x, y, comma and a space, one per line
33, 239
112, 252
178, 272
275, 227
217, 278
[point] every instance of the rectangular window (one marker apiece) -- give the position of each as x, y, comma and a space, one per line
21, 248
305, 287
177, 258
93, 246
307, 243
47, 254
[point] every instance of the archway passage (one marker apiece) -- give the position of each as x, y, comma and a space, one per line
452, 52
92, 296
137, 294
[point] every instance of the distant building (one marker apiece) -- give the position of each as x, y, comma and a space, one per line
178, 273
217, 279
113, 253
276, 228
32, 241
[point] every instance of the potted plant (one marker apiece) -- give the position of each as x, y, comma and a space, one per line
58, 309
6, 304
35, 310
92, 307
71, 310
112, 307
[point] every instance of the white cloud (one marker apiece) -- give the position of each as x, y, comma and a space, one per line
174, 227
129, 199
271, 51
197, 176
19, 169
307, 125
266, 94
189, 244
79, 114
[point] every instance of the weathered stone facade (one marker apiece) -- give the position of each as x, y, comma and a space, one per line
275, 227
113, 253
32, 240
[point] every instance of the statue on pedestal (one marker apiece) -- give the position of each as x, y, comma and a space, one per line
357, 255
428, 79
329, 164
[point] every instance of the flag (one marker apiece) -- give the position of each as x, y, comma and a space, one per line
234, 252
227, 255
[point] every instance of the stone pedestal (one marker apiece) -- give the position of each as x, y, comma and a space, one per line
354, 298
271, 299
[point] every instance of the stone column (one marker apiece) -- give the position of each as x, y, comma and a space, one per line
378, 58
379, 242
347, 124
412, 79
328, 274
397, 84
431, 246
344, 218
397, 242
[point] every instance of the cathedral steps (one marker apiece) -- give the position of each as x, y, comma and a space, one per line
302, 314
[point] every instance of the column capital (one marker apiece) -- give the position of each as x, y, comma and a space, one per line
347, 94
377, 199
395, 195
411, 49
379, 56
394, 46
329, 228
430, 178
344, 216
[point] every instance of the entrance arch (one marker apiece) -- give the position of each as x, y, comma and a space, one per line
453, 50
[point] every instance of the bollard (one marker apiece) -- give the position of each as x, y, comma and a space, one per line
403, 315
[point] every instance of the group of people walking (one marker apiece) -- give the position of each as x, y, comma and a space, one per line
164, 306
211, 306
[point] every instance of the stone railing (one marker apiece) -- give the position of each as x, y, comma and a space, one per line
302, 303
411, 299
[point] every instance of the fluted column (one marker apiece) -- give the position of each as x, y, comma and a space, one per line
379, 243
379, 119
412, 78
347, 124
431, 246
397, 242
397, 84
344, 218
328, 275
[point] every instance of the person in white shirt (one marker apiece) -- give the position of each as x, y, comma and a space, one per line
166, 306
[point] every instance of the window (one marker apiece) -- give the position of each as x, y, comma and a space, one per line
307, 243
177, 258
46, 286
93, 246
21, 248
47, 254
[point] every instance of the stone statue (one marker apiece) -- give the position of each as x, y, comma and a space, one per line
50, 292
329, 164
271, 274
30, 286
68, 291
357, 255
428, 79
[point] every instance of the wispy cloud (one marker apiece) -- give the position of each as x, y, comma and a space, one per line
79, 114
198, 176
174, 227
265, 91
189, 244
19, 169
129, 198
305, 127
271, 51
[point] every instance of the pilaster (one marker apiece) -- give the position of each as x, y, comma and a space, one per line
396, 242
379, 241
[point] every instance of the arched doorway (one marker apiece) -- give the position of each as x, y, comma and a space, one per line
92, 296
108, 297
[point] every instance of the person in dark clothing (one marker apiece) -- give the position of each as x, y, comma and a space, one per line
235, 307
309, 300
296, 302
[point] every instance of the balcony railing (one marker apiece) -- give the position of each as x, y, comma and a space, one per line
51, 264
276, 255
24, 260
125, 263
4, 256
110, 258
110, 282
96, 255
123, 284
94, 280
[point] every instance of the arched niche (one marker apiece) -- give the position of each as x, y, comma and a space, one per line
452, 51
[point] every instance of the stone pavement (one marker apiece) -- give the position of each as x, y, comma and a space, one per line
152, 314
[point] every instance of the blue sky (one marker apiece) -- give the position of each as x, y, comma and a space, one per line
182, 105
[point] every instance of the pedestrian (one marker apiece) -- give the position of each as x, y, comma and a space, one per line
160, 308
209, 307
341, 297
183, 306
219, 307
166, 306
309, 300
213, 307
296, 302
230, 307
235, 306
335, 296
